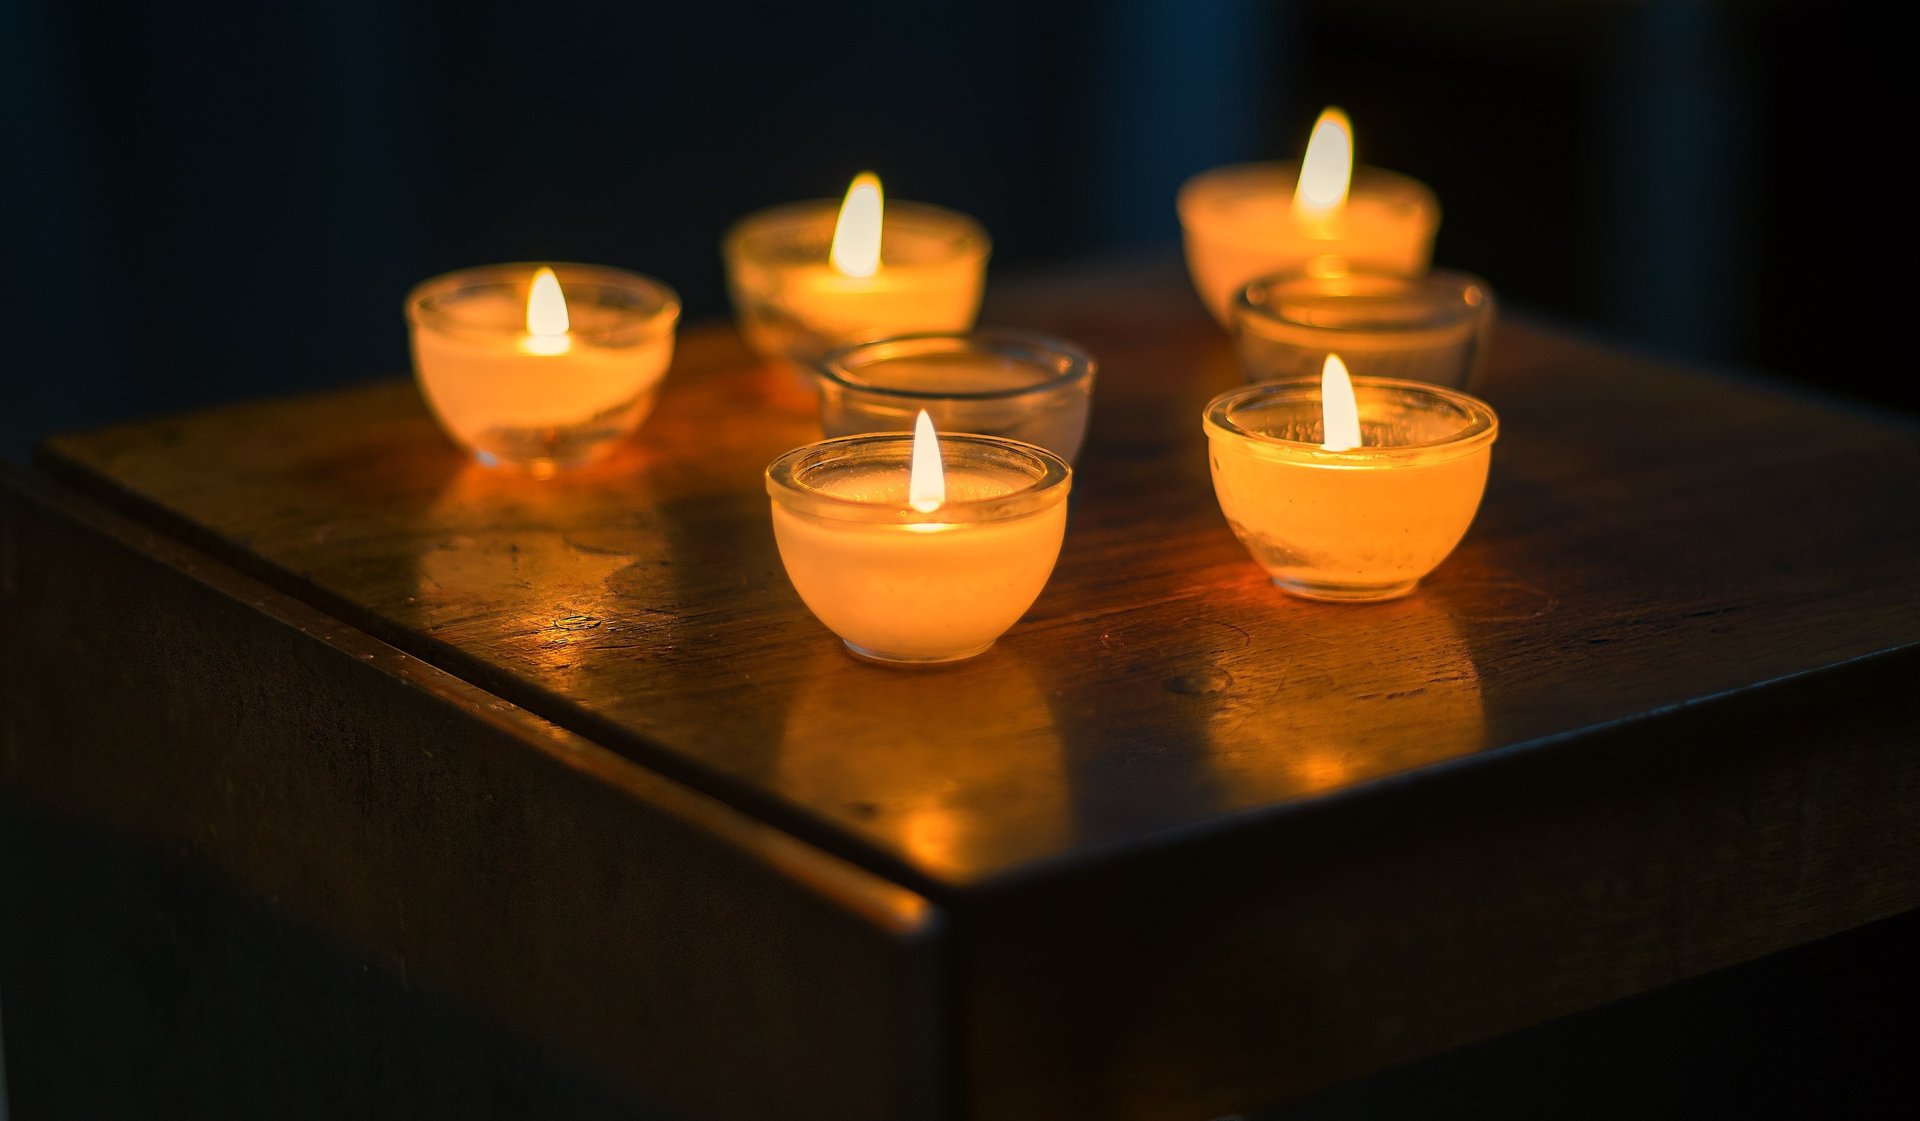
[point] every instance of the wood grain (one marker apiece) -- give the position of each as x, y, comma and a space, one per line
366, 813
1650, 536
1198, 847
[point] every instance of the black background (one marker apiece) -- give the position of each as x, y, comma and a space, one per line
214, 200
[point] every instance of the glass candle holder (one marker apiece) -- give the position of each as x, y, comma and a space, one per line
1238, 223
791, 303
904, 586
1364, 524
1023, 386
1432, 328
541, 401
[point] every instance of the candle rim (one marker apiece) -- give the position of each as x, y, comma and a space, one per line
1205, 190
1480, 428
965, 235
429, 302
1049, 478
1450, 311
1075, 363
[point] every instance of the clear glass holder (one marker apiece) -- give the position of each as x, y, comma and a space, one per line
905, 586
1238, 223
1358, 525
548, 402
792, 305
1023, 386
1432, 328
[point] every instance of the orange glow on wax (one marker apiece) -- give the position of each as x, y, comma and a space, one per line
856, 234
547, 321
1339, 412
927, 478
1326, 172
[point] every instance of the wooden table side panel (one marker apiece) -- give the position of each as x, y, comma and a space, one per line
1337, 941
701, 962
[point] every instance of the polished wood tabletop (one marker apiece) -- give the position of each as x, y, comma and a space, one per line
1650, 536
1193, 844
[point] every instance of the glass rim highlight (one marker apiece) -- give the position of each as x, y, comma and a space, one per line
842, 365
788, 478
1479, 424
427, 302
1207, 189
965, 237
1452, 301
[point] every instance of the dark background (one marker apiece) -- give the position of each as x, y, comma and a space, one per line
211, 200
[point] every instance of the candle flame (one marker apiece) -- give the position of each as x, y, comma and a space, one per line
927, 481
1339, 412
547, 321
1326, 172
856, 234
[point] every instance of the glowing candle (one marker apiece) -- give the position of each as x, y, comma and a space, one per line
1320, 214
541, 367
1349, 489
919, 548
809, 276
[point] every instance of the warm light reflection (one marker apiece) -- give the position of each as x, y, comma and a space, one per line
932, 834
974, 775
856, 234
1410, 700
927, 478
1326, 172
547, 321
1339, 412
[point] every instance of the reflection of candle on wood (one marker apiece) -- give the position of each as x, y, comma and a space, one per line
541, 366
1349, 489
1321, 214
809, 276
965, 765
918, 548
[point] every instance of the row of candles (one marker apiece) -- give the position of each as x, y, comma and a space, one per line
931, 516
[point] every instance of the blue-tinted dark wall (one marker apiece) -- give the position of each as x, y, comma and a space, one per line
217, 200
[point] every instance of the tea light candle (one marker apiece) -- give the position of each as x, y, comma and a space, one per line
1015, 384
1431, 328
541, 366
919, 548
809, 276
1319, 214
1349, 489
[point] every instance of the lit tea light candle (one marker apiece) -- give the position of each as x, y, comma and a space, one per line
1015, 384
1321, 214
541, 367
1349, 488
919, 548
809, 276
1432, 328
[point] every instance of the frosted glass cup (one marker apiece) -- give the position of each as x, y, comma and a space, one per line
1355, 525
792, 305
903, 585
540, 402
1238, 222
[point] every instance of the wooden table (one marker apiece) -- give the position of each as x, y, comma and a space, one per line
569, 765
